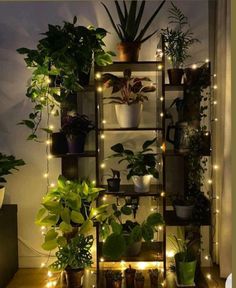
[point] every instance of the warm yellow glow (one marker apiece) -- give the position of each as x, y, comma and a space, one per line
98, 75
163, 194
214, 75
217, 197
163, 147
170, 253
215, 87
217, 211
217, 243
42, 264
102, 136
207, 60
48, 80
43, 228
45, 175
216, 167
99, 89
162, 98
161, 114
159, 67
103, 165
207, 257
169, 58
49, 273
122, 262
152, 209
53, 112
104, 198
142, 265
48, 142
160, 227
49, 156
216, 119
51, 127
209, 181
52, 185
101, 259
215, 102
194, 66
93, 182
208, 276
104, 121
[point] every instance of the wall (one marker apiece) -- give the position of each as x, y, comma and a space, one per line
20, 26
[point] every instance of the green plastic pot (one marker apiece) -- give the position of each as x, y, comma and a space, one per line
185, 271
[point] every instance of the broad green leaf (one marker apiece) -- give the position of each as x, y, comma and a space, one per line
126, 210
114, 246
136, 234
155, 219
52, 206
85, 188
49, 220
118, 148
148, 143
77, 217
65, 227
50, 245
51, 235
147, 232
116, 228
86, 227
40, 215
65, 215
61, 241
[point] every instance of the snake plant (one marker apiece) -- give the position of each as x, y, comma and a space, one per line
130, 19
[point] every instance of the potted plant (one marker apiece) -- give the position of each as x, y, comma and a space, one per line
185, 261
113, 183
184, 206
7, 164
127, 236
129, 277
116, 279
75, 128
60, 62
139, 280
68, 216
129, 104
177, 42
128, 28
154, 276
141, 165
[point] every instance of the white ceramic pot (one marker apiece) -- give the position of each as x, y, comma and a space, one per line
2, 192
142, 183
129, 116
184, 212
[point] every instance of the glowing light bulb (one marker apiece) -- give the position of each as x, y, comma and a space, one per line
161, 114
163, 147
103, 165
169, 58
122, 262
215, 102
49, 156
51, 127
93, 182
217, 211
104, 121
53, 112
142, 265
207, 60
217, 197
161, 99
170, 253
194, 66
101, 259
152, 209
160, 227
49, 273
45, 175
216, 167
209, 181
163, 194
42, 98
48, 142
216, 119
159, 67
208, 276
214, 75
48, 81
52, 185
102, 136
104, 198
215, 87
206, 257
99, 89
98, 75
42, 264
43, 228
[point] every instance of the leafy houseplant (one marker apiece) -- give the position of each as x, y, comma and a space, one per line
63, 57
141, 165
185, 260
128, 30
177, 41
68, 216
7, 164
127, 237
139, 280
128, 104
153, 275
129, 277
76, 127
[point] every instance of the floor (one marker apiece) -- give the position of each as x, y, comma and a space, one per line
38, 278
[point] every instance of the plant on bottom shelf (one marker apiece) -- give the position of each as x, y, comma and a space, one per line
128, 31
69, 216
8, 163
60, 62
127, 237
141, 165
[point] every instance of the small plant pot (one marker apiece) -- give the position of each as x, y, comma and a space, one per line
153, 280
129, 277
128, 116
116, 284
113, 184
139, 284
58, 143
129, 51
76, 143
134, 249
175, 76
109, 280
185, 271
74, 278
184, 211
2, 193
142, 183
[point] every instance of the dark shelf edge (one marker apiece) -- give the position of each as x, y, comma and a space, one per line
131, 129
78, 155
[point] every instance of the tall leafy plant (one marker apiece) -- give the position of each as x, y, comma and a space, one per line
128, 29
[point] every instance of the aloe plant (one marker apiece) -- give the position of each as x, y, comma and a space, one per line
130, 19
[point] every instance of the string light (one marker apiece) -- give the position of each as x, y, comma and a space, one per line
52, 185
51, 127
170, 254
207, 60
49, 156
42, 264
49, 273
104, 198
161, 98
216, 167
214, 102
48, 142
209, 181
142, 265
160, 227
103, 165
217, 211
163, 147
161, 114
163, 194
53, 112
217, 197
194, 66
206, 257
102, 136
101, 259
214, 75
45, 175
215, 87
93, 182
98, 75
104, 121
208, 276
159, 67
99, 89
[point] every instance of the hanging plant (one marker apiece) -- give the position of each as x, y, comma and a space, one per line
59, 63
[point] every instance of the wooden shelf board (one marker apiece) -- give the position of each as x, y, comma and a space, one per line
128, 190
84, 154
134, 66
132, 129
150, 251
172, 220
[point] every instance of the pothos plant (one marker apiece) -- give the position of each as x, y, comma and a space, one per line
69, 215
119, 234
65, 53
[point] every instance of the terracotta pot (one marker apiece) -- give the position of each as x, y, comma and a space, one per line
175, 76
74, 278
129, 51
153, 281
129, 116
116, 284
139, 283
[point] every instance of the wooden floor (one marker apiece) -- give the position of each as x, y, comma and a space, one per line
38, 278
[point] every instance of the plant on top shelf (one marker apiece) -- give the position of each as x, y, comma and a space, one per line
113, 183
7, 164
128, 105
68, 216
128, 30
60, 62
127, 236
177, 41
141, 165
76, 127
